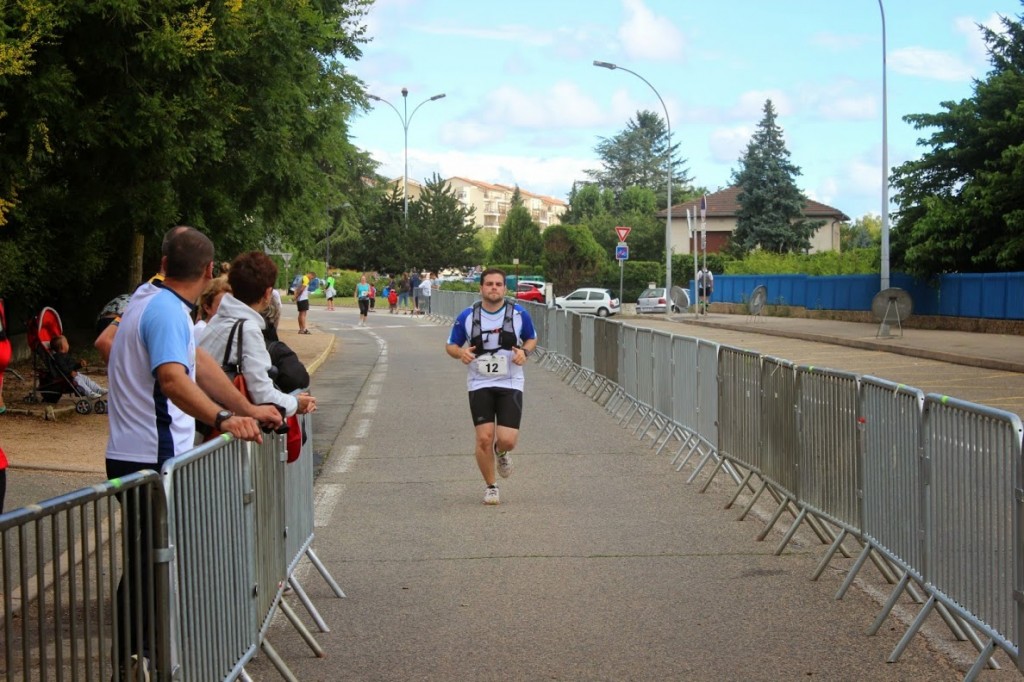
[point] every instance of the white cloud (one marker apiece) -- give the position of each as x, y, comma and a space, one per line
927, 63
544, 175
976, 47
848, 108
727, 144
645, 35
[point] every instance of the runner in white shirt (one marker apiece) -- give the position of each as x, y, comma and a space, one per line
495, 347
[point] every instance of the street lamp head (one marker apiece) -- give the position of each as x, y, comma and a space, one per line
605, 65
373, 97
405, 92
437, 97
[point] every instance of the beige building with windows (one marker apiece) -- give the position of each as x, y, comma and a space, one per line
491, 202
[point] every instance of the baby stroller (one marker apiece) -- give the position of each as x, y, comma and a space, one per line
50, 382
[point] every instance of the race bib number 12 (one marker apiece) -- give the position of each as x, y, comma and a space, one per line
492, 365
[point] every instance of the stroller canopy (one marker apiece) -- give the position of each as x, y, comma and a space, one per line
44, 327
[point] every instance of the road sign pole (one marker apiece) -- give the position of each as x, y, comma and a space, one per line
622, 271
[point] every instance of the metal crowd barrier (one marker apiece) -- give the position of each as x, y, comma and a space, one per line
929, 486
205, 547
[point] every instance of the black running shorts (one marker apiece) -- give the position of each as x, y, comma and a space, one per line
303, 305
504, 405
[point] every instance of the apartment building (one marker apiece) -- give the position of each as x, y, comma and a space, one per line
492, 201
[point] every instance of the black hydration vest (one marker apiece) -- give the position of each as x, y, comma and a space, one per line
506, 338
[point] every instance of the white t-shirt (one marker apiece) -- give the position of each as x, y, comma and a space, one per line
490, 328
145, 426
425, 286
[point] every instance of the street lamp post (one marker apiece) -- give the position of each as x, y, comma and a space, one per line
405, 118
668, 217
885, 163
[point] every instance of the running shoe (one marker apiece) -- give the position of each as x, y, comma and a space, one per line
491, 495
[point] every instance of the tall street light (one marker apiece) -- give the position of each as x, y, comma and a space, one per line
668, 217
405, 118
885, 163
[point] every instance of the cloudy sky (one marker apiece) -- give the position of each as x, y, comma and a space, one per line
525, 105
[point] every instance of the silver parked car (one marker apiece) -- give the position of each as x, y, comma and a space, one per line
654, 300
590, 300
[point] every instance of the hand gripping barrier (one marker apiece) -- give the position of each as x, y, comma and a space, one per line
931, 488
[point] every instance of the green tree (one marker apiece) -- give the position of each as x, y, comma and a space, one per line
571, 256
961, 205
771, 205
639, 155
865, 232
441, 233
225, 116
586, 200
519, 236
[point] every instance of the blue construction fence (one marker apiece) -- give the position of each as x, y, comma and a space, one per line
989, 295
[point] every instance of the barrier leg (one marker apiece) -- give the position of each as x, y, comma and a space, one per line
825, 560
718, 467
700, 465
914, 627
315, 560
664, 436
278, 662
951, 621
645, 423
774, 519
744, 484
889, 604
672, 433
979, 663
753, 500
854, 570
244, 676
791, 532
304, 598
694, 442
306, 635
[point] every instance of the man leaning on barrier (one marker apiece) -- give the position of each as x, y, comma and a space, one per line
160, 384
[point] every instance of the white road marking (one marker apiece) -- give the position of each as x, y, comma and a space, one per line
363, 429
325, 499
340, 463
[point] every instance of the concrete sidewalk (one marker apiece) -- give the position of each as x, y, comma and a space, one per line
601, 563
1003, 352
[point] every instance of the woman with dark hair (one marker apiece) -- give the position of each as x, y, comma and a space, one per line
251, 277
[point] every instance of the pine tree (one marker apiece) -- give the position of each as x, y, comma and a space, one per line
519, 236
771, 205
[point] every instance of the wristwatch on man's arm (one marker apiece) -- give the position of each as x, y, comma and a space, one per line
222, 417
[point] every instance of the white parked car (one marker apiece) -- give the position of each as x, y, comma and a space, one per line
589, 300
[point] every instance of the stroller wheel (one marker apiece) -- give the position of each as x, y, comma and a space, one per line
83, 406
100, 406
31, 399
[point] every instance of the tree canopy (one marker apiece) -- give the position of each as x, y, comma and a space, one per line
961, 205
441, 233
639, 156
771, 205
120, 120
